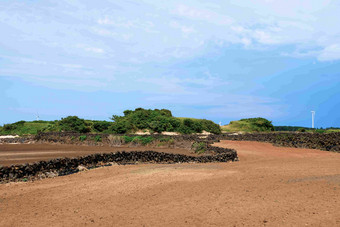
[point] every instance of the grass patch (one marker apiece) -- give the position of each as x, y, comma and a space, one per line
25, 128
98, 138
138, 139
249, 125
82, 138
199, 147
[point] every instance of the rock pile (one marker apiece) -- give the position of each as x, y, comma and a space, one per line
25, 139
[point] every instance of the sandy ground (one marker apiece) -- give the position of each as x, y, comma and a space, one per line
269, 186
23, 153
8, 137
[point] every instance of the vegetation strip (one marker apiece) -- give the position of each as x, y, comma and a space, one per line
64, 166
145, 120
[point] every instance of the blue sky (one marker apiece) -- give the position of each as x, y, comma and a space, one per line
219, 60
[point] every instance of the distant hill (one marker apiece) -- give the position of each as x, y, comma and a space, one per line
258, 124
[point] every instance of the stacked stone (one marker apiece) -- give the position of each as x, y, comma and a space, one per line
325, 141
64, 166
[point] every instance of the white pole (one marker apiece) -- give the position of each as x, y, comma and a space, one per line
313, 115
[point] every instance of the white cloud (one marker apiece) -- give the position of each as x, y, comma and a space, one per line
330, 53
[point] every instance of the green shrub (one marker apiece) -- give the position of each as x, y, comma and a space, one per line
250, 125
138, 139
128, 139
301, 130
165, 139
73, 124
101, 126
259, 124
16, 125
145, 140
210, 126
98, 138
320, 131
199, 147
120, 125
8, 127
158, 121
82, 138
24, 128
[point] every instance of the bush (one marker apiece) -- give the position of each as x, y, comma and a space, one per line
128, 139
158, 121
138, 139
320, 131
146, 140
98, 138
101, 126
120, 126
210, 126
82, 138
9, 127
165, 141
250, 125
73, 124
301, 130
199, 147
259, 124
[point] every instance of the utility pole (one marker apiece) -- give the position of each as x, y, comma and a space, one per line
313, 115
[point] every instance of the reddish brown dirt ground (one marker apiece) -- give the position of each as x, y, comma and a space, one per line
22, 153
269, 186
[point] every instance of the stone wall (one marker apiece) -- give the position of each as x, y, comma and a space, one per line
64, 166
325, 141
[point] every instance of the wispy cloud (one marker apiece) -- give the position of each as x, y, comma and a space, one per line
329, 53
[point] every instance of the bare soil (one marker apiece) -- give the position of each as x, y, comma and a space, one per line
269, 186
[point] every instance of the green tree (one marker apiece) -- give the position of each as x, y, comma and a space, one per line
73, 124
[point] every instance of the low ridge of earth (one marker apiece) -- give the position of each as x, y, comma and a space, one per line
27, 153
269, 186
